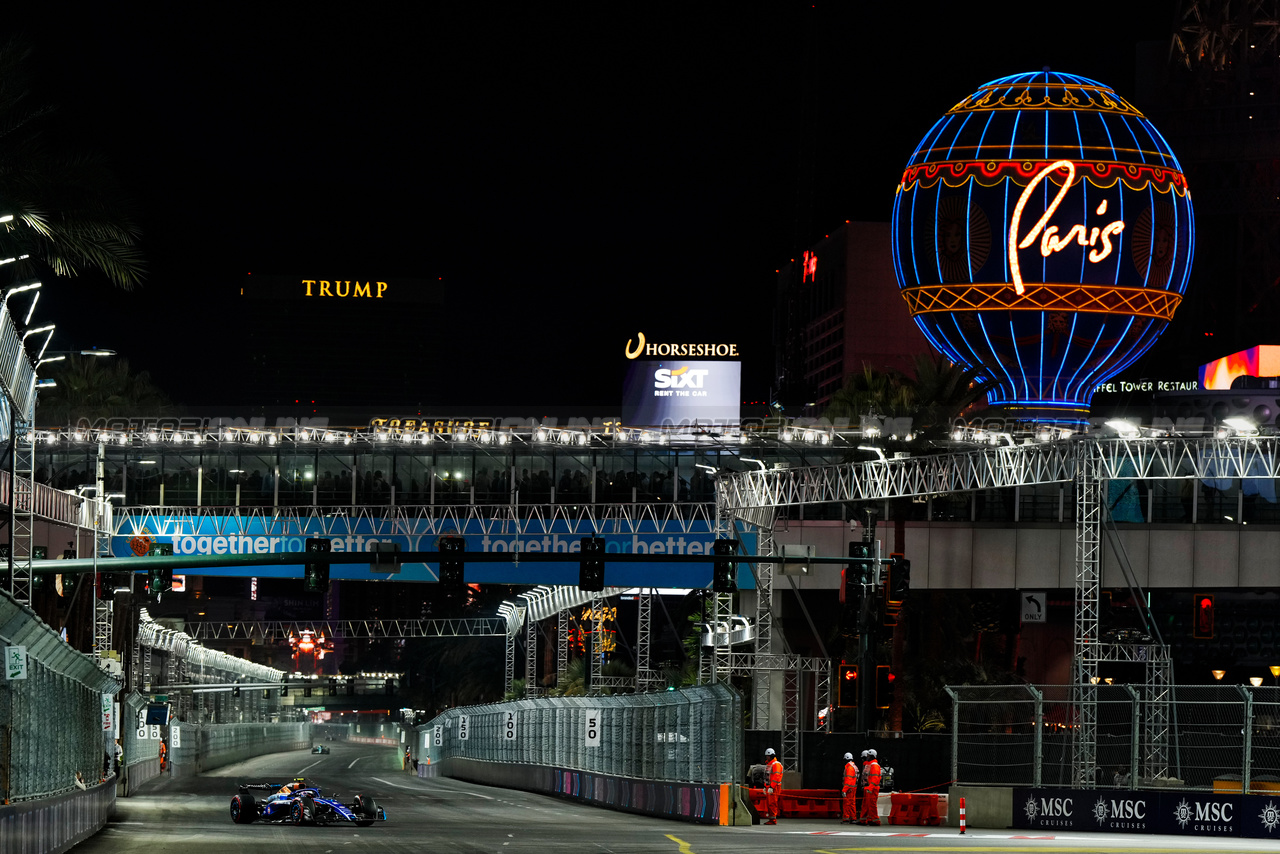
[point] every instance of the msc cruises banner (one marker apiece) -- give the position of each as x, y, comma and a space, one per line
224, 535
1167, 811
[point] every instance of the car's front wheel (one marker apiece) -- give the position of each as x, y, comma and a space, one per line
366, 810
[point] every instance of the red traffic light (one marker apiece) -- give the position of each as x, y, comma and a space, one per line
1202, 619
847, 686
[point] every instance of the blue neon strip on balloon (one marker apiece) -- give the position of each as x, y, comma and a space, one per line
1139, 146
1022, 369
911, 236
968, 221
977, 154
1085, 360
937, 256
1066, 351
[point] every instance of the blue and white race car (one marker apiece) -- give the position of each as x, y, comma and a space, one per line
299, 802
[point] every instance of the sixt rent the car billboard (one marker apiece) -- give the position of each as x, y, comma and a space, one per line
232, 535
682, 393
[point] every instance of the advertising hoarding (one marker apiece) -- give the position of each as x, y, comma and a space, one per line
219, 535
682, 393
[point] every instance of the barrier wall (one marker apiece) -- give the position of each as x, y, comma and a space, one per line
201, 747
701, 803
53, 825
674, 754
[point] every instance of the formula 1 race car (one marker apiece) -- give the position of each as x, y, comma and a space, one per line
300, 802
321, 748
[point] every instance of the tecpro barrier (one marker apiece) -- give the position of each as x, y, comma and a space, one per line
1175, 811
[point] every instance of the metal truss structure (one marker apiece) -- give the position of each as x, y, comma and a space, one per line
22, 487
1086, 652
351, 629
562, 647
507, 520
1087, 460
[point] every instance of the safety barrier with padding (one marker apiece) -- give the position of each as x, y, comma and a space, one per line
920, 810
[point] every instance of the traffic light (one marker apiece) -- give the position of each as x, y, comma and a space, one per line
724, 577
862, 563
884, 686
159, 578
333, 687
284, 689
847, 691
591, 568
386, 557
899, 579
389, 687
306, 690
106, 584
315, 578
451, 561
235, 690
1202, 619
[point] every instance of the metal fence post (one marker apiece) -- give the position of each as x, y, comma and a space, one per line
1133, 737
1037, 751
955, 732
1245, 763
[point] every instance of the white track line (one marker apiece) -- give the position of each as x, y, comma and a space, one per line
419, 789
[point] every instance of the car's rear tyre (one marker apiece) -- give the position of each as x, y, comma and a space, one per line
243, 809
367, 810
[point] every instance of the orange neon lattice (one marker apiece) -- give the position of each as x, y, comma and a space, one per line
1105, 299
988, 173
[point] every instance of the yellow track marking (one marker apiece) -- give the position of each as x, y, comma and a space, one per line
684, 846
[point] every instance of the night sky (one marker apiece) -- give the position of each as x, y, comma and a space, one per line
562, 176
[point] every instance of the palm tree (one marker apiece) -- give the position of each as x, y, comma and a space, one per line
938, 393
69, 212
93, 388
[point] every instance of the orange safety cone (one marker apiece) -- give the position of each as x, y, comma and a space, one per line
962, 815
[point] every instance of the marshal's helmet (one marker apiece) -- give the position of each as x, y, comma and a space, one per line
769, 752
848, 757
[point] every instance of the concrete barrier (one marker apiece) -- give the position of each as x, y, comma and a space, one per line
701, 803
53, 825
203, 747
985, 806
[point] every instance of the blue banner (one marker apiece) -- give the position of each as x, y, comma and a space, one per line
1175, 811
219, 535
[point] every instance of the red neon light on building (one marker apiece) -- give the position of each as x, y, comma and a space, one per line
809, 267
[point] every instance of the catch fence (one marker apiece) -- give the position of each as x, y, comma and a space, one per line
1203, 737
52, 718
692, 735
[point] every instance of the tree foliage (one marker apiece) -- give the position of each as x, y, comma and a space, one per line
94, 387
933, 396
70, 213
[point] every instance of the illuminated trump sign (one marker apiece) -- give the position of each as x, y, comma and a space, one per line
1089, 211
